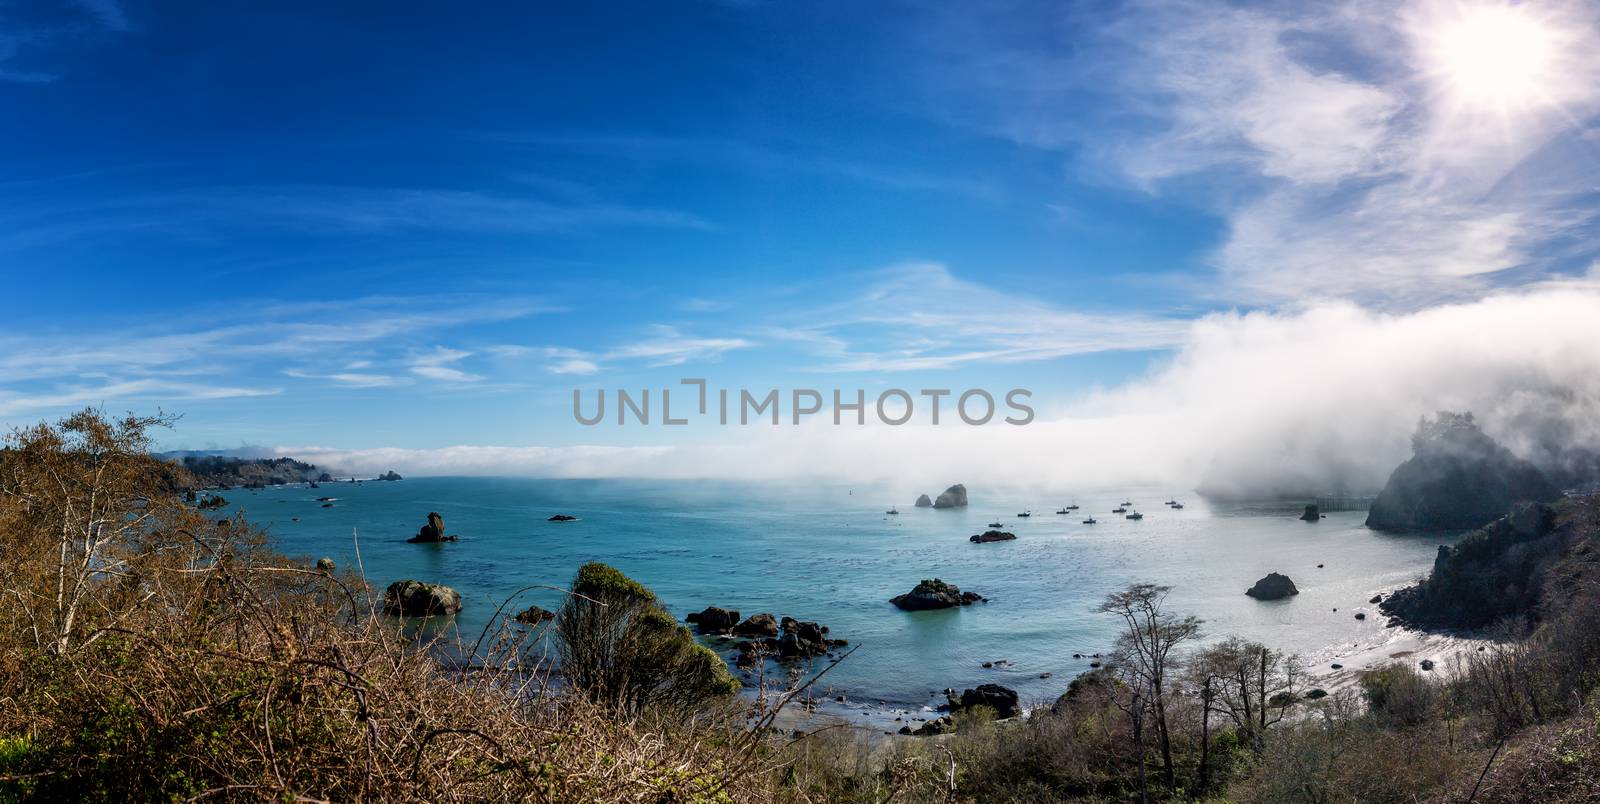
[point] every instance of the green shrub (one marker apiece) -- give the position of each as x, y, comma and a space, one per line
624, 651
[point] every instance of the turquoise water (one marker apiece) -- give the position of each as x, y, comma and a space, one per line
831, 555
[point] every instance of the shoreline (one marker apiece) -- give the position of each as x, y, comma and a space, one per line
1391, 645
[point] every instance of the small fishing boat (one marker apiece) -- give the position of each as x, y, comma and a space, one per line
1072, 507
1119, 510
893, 512
1177, 506
1170, 502
1089, 521
1126, 503
1136, 515
1026, 513
995, 525
1062, 511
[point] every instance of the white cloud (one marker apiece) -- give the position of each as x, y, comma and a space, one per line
144, 390
434, 365
1259, 403
1343, 159
920, 316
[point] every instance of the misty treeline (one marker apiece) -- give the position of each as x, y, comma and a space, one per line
151, 651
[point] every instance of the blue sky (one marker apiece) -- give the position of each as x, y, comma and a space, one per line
383, 225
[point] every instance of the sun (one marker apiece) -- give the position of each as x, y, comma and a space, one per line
1499, 57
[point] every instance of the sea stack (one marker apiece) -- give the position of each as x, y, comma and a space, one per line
1274, 586
953, 497
432, 532
1457, 478
924, 502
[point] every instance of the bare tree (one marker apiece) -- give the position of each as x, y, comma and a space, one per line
1146, 650
1252, 684
86, 487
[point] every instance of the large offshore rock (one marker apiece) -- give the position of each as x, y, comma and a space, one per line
1457, 478
953, 497
935, 594
1274, 586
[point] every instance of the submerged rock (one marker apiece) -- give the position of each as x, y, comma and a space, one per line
1274, 586
935, 594
924, 502
411, 598
992, 536
562, 518
953, 497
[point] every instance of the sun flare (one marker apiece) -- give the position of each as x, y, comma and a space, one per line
1497, 57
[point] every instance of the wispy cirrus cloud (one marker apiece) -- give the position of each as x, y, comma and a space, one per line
920, 316
43, 39
662, 346
439, 364
730, 154
249, 353
33, 219
146, 390
1345, 159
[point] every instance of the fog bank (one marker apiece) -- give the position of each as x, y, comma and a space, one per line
1261, 404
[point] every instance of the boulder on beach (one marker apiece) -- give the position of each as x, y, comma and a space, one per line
953, 497
1274, 586
935, 594
1003, 700
1312, 514
412, 598
992, 536
924, 502
758, 625
432, 532
714, 620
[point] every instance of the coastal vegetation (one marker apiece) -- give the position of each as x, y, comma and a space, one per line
152, 650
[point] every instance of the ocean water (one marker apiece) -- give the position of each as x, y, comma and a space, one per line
830, 554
